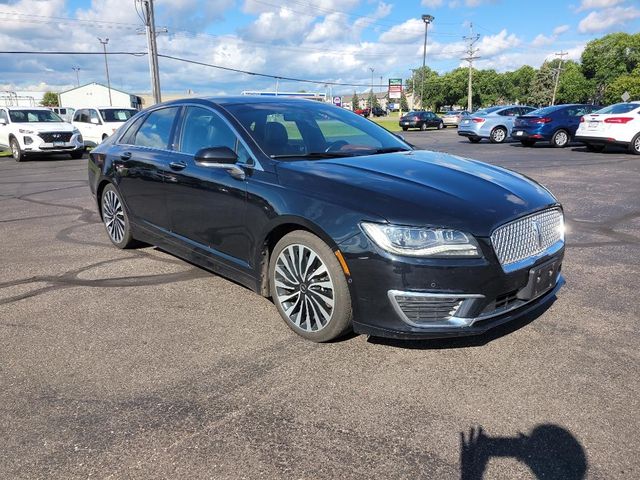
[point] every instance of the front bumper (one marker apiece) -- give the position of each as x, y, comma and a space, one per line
31, 143
489, 295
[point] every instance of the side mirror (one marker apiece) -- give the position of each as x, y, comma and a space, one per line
220, 157
95, 121
215, 155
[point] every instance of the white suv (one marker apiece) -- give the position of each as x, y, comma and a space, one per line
37, 130
97, 123
617, 124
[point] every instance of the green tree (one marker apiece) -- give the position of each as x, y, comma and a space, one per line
572, 86
542, 85
355, 101
404, 105
624, 83
488, 87
453, 87
607, 58
49, 99
429, 91
517, 84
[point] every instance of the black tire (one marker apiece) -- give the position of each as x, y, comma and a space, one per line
634, 146
528, 143
560, 139
440, 126
404, 129
423, 127
444, 126
16, 152
594, 148
118, 217
498, 135
282, 288
77, 155
474, 139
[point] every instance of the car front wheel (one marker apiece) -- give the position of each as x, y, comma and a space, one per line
498, 135
423, 127
309, 288
560, 139
634, 146
16, 151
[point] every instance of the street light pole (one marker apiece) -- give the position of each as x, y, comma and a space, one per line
427, 19
76, 69
106, 66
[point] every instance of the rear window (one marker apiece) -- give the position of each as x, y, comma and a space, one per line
117, 114
486, 111
544, 111
619, 108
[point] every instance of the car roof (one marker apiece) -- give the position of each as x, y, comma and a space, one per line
243, 99
103, 108
28, 108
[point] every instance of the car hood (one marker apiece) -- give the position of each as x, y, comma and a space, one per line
420, 188
45, 126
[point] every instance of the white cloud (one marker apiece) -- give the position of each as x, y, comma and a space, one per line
593, 4
432, 3
600, 21
559, 30
492, 44
281, 25
542, 40
406, 32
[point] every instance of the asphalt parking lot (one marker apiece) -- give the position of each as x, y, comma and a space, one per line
134, 364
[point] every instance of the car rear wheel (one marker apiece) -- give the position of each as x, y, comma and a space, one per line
309, 288
498, 135
528, 143
560, 139
115, 218
423, 127
634, 146
16, 152
594, 148
440, 126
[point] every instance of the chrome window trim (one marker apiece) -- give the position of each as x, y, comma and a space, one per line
146, 115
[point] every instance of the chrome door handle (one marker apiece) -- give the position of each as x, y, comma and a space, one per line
177, 165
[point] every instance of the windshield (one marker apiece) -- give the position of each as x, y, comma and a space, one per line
294, 129
117, 114
619, 108
33, 116
486, 111
543, 111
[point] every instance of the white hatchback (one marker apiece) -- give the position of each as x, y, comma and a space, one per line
97, 123
617, 124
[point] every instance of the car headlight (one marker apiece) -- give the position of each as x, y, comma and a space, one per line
422, 241
29, 132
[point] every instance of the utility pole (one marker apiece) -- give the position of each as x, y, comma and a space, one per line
76, 69
427, 19
471, 56
150, 27
371, 96
558, 70
106, 66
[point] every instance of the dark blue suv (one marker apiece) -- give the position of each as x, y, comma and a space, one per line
556, 124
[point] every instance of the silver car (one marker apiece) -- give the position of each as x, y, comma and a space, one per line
494, 123
453, 117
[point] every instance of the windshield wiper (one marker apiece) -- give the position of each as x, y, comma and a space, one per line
390, 150
314, 155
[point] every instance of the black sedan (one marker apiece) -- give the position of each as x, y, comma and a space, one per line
421, 120
339, 221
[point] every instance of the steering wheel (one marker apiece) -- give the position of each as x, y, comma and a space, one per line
335, 146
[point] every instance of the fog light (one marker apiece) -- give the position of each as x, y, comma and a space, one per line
27, 140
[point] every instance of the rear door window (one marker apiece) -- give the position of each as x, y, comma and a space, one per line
157, 129
203, 128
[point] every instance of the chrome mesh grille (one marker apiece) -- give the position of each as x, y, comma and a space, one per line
528, 236
426, 309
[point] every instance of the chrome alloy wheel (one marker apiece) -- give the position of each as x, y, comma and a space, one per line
561, 138
113, 216
636, 144
15, 149
499, 135
304, 288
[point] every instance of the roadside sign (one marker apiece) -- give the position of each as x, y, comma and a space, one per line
395, 88
625, 96
337, 101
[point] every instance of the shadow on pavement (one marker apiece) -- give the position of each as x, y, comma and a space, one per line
550, 451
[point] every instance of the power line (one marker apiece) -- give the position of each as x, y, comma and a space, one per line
471, 56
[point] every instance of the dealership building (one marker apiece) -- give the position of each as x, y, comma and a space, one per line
96, 94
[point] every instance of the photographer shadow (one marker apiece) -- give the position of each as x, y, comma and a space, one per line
550, 451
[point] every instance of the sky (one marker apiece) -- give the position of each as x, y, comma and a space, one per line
322, 40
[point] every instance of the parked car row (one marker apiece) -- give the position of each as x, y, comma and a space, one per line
591, 125
43, 131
